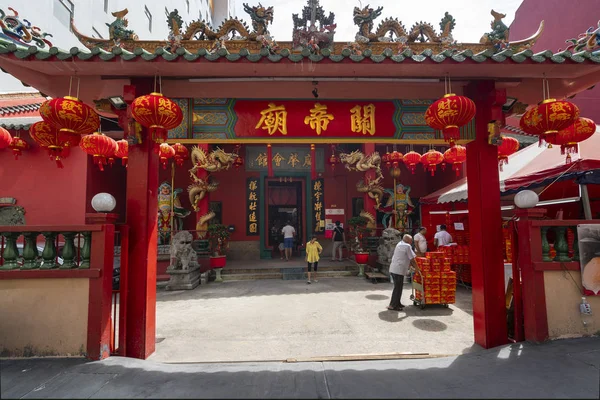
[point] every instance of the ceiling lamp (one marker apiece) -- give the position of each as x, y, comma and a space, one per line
431, 160
508, 146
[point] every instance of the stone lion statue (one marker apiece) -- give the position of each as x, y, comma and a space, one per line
390, 237
183, 255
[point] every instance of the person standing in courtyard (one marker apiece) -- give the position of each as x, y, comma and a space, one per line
338, 238
313, 251
421, 242
442, 238
288, 239
403, 258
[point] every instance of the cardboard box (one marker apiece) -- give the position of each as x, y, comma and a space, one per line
448, 282
434, 255
433, 274
449, 299
432, 281
448, 289
433, 300
448, 274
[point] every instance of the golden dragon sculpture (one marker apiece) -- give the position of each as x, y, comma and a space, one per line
358, 161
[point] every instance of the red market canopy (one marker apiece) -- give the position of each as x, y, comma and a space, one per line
530, 166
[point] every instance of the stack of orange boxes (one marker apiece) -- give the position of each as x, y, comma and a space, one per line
448, 287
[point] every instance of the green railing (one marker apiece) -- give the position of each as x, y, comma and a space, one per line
31, 248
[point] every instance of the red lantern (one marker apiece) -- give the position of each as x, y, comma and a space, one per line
508, 146
456, 155
158, 114
448, 114
5, 138
333, 161
386, 159
182, 154
411, 159
18, 145
567, 139
122, 151
549, 117
70, 115
48, 137
100, 146
431, 159
395, 158
164, 153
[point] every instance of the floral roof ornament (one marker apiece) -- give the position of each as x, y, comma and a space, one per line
21, 31
307, 34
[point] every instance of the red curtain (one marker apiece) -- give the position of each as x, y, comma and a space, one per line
282, 196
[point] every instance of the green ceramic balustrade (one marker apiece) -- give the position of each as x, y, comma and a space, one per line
561, 244
68, 252
545, 245
30, 251
11, 252
75, 253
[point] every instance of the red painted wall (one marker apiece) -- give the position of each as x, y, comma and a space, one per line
112, 180
563, 21
50, 195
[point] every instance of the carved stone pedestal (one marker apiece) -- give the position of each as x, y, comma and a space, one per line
183, 279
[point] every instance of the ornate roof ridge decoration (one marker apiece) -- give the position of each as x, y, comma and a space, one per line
587, 41
235, 35
419, 53
21, 31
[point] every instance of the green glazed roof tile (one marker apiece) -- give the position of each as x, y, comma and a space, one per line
215, 57
380, 58
233, 57
338, 58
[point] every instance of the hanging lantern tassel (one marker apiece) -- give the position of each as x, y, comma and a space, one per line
269, 161
100, 161
313, 162
56, 153
18, 145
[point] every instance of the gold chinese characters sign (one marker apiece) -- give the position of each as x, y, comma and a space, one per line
314, 119
252, 207
318, 202
284, 158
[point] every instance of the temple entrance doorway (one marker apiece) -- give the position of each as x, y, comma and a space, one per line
285, 200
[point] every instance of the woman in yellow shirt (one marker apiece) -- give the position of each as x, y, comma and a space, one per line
313, 250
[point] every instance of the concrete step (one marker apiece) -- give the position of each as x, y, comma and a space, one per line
251, 276
259, 275
235, 271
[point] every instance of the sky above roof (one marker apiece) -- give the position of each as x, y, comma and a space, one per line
472, 17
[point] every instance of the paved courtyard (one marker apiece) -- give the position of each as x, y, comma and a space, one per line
267, 320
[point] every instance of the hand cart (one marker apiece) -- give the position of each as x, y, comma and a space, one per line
418, 284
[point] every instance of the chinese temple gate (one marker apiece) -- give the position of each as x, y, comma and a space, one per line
286, 108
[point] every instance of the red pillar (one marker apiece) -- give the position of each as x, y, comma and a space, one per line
487, 260
142, 219
369, 203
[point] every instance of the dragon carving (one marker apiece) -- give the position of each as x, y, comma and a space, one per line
261, 17
357, 161
117, 30
217, 160
588, 41
21, 31
498, 37
390, 29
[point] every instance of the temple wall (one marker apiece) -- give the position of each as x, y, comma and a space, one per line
562, 22
60, 306
50, 196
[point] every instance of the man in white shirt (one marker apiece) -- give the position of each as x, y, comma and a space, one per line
442, 238
421, 242
403, 258
288, 239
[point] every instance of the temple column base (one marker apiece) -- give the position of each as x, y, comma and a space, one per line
361, 270
219, 278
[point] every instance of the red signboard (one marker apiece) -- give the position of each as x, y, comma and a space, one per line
314, 119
